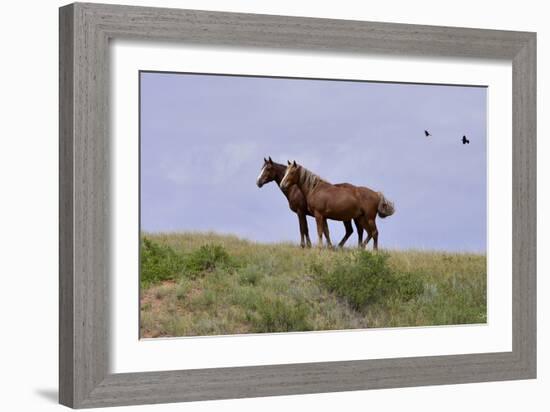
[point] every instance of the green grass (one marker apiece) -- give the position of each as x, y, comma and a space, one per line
160, 262
208, 284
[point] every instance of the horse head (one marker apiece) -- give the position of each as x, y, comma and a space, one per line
291, 176
268, 172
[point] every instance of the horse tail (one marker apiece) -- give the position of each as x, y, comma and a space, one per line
385, 207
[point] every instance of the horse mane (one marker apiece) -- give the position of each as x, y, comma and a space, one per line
309, 180
280, 170
279, 166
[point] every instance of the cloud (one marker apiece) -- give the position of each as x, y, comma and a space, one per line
207, 165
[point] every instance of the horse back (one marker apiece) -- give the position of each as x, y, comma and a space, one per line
335, 202
369, 198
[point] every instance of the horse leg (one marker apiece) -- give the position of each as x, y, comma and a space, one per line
327, 236
303, 228
359, 232
362, 221
306, 230
373, 234
369, 237
349, 232
319, 221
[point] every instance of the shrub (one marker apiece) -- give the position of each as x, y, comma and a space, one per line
246, 297
158, 263
182, 289
408, 286
207, 258
277, 315
366, 278
251, 275
204, 300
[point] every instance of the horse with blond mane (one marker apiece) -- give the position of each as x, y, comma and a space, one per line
274, 172
344, 203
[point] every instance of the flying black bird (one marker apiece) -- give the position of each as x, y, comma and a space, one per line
464, 140
427, 133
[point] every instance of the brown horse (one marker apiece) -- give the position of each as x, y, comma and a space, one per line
344, 202
272, 171
373, 204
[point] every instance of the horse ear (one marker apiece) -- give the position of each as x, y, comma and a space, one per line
270, 161
294, 163
265, 160
288, 161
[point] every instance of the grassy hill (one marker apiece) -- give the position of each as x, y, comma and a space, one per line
208, 284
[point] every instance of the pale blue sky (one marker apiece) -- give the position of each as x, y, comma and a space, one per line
203, 139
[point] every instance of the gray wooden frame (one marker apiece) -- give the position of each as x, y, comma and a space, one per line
85, 31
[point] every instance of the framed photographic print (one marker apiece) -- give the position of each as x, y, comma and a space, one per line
258, 205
